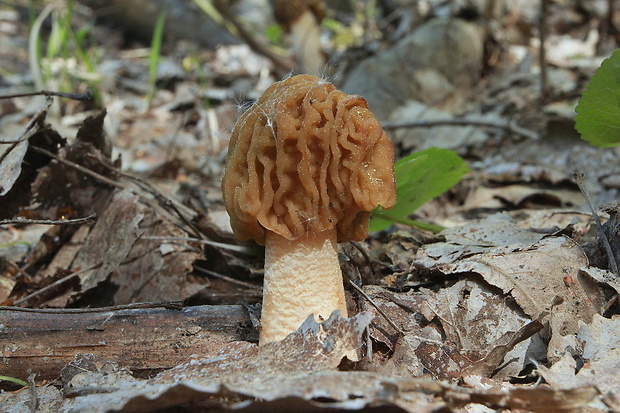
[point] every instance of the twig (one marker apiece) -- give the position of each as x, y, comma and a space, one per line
542, 53
55, 284
80, 168
599, 227
283, 64
75, 96
165, 201
230, 247
227, 278
170, 305
76, 221
609, 303
362, 251
32, 388
460, 122
387, 318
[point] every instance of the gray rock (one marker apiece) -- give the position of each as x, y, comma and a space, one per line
437, 64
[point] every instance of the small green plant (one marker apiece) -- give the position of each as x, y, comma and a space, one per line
64, 61
192, 64
420, 177
154, 56
14, 380
598, 111
274, 34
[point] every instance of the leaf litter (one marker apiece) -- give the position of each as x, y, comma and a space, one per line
506, 312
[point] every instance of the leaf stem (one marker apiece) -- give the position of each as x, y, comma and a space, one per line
410, 222
14, 380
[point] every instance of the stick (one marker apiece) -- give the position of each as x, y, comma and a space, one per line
460, 122
141, 339
75, 96
76, 221
599, 227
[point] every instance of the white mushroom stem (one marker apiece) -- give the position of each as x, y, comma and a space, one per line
302, 277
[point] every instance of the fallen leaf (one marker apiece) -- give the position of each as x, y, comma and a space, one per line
110, 240
468, 321
515, 269
600, 341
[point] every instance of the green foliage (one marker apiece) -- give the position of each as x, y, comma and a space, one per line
420, 177
154, 56
343, 36
598, 111
274, 34
14, 380
64, 61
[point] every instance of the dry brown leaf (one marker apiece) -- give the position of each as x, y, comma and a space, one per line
474, 321
599, 347
11, 164
6, 287
110, 240
602, 276
497, 230
538, 277
157, 269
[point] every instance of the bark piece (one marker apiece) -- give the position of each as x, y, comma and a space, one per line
140, 339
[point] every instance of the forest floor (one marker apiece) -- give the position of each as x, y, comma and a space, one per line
123, 288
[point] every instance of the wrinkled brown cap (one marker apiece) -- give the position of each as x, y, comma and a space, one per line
307, 158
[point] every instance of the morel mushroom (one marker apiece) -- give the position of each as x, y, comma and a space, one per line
306, 165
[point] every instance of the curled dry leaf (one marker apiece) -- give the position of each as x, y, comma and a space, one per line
451, 330
598, 345
313, 347
511, 258
10, 164
144, 270
12, 155
518, 272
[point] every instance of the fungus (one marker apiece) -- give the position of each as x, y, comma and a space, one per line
306, 165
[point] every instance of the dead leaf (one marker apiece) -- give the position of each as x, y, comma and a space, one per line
110, 240
469, 321
10, 165
6, 287
91, 131
13, 154
600, 341
159, 265
602, 276
517, 270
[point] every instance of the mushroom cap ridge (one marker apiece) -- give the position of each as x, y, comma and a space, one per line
307, 158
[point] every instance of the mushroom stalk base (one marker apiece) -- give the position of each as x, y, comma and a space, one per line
302, 277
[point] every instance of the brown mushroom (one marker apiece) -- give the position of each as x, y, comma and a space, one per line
306, 164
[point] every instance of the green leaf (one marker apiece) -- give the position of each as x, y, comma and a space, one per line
154, 56
14, 380
274, 34
420, 177
598, 111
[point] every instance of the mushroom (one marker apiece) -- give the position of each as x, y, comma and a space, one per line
306, 165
